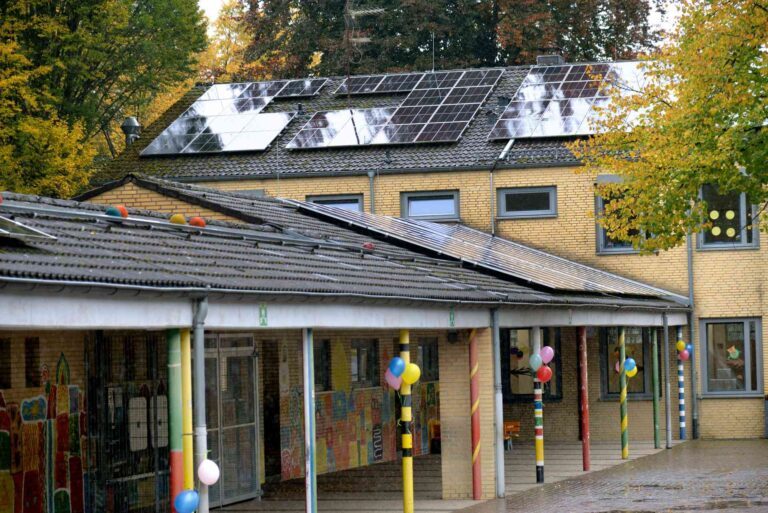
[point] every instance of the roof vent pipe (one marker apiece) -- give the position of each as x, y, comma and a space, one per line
549, 60
132, 129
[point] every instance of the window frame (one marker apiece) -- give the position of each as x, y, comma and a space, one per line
503, 213
405, 198
428, 372
605, 366
320, 199
702, 245
373, 379
506, 383
704, 343
601, 235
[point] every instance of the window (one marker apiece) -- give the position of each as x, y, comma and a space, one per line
322, 354
525, 202
427, 359
731, 220
345, 201
517, 380
732, 352
606, 244
32, 362
435, 206
5, 363
365, 363
637, 343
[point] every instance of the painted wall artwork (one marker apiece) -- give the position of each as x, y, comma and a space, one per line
42, 444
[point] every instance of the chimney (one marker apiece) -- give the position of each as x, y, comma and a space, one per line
549, 60
131, 128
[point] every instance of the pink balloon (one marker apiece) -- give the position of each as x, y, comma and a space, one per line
546, 353
684, 355
392, 380
616, 368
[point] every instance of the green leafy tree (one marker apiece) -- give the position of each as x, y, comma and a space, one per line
701, 118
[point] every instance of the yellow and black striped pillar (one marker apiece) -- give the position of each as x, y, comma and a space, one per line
406, 418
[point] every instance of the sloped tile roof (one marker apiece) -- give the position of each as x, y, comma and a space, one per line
473, 151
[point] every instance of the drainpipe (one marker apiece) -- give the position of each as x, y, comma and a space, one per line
691, 332
371, 193
498, 410
199, 314
492, 203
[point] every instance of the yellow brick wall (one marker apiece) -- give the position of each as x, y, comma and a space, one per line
732, 418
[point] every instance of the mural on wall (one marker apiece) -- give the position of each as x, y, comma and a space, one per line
354, 426
42, 445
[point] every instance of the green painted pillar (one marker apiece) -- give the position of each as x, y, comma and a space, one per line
174, 414
655, 349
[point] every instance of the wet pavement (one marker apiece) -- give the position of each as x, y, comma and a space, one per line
728, 476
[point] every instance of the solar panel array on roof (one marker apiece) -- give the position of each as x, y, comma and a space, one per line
438, 109
352, 127
227, 117
564, 100
379, 84
494, 253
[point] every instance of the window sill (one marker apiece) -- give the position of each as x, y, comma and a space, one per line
617, 252
732, 395
436, 219
526, 216
729, 247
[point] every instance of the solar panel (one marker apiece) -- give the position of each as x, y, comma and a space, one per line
302, 87
360, 85
11, 229
438, 109
493, 253
379, 84
564, 100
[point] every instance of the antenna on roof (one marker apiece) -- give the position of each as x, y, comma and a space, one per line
433, 51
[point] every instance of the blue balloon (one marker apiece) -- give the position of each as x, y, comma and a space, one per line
629, 364
186, 501
535, 362
397, 366
689, 347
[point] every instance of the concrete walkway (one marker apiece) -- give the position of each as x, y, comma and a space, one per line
378, 488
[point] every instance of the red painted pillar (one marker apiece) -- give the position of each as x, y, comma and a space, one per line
583, 396
474, 394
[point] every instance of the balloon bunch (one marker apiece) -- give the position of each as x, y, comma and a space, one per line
399, 372
630, 367
539, 363
683, 350
188, 500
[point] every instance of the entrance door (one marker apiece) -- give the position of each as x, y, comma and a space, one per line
231, 370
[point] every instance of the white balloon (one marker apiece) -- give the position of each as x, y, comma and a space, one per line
208, 472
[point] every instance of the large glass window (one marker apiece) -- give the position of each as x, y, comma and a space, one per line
637, 344
437, 206
345, 201
427, 359
733, 354
606, 244
731, 219
517, 378
364, 360
522, 202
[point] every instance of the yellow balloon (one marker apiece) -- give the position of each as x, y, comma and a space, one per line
632, 373
730, 214
178, 219
680, 345
716, 231
714, 214
411, 374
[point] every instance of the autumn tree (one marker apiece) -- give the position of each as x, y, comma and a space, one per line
700, 120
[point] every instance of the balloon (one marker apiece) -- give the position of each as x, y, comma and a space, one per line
186, 501
632, 373
178, 219
536, 362
411, 374
544, 373
392, 380
616, 368
208, 472
689, 348
397, 366
197, 221
113, 211
684, 355
547, 353
680, 345
629, 364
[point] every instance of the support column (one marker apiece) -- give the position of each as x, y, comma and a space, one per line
538, 410
310, 465
583, 397
667, 392
681, 387
174, 415
405, 424
474, 395
623, 394
186, 410
655, 370
201, 430
498, 403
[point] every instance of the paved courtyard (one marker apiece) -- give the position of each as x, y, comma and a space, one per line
718, 476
